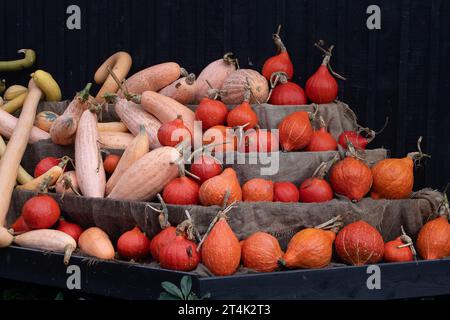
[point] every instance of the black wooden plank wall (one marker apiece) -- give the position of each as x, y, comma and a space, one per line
401, 70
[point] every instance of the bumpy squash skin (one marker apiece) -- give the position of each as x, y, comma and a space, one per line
221, 251
310, 249
234, 87
359, 243
393, 179
433, 241
352, 178
261, 252
212, 191
258, 190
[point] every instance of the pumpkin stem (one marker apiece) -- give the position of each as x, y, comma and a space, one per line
68, 185
83, 95
163, 213
278, 77
278, 42
110, 97
222, 214
408, 242
183, 72
444, 209
190, 79
229, 59
352, 152
334, 224
321, 171
327, 57
313, 114
214, 93
419, 155
183, 172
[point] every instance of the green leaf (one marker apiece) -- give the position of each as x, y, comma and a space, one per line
186, 285
172, 289
60, 296
167, 296
193, 296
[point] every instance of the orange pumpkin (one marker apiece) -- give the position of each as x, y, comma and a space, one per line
312, 248
221, 250
394, 178
261, 252
213, 191
352, 178
295, 131
258, 190
433, 241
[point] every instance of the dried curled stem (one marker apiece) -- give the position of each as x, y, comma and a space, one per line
163, 212
334, 224
419, 155
407, 242
327, 57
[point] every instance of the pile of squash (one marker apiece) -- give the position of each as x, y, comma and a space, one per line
169, 148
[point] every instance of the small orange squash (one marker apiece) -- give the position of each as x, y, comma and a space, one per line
44, 120
433, 241
258, 190
312, 248
295, 131
220, 248
213, 191
261, 252
394, 178
351, 177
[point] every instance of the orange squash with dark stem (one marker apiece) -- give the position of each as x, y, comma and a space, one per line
312, 248
243, 114
394, 178
261, 252
213, 191
351, 177
220, 248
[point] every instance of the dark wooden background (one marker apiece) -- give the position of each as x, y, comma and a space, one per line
401, 70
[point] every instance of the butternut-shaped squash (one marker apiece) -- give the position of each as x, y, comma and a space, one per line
133, 115
115, 140
166, 109
8, 122
64, 128
153, 79
120, 64
90, 172
183, 90
136, 150
147, 176
112, 127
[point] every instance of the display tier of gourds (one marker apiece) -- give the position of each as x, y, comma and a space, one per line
156, 132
